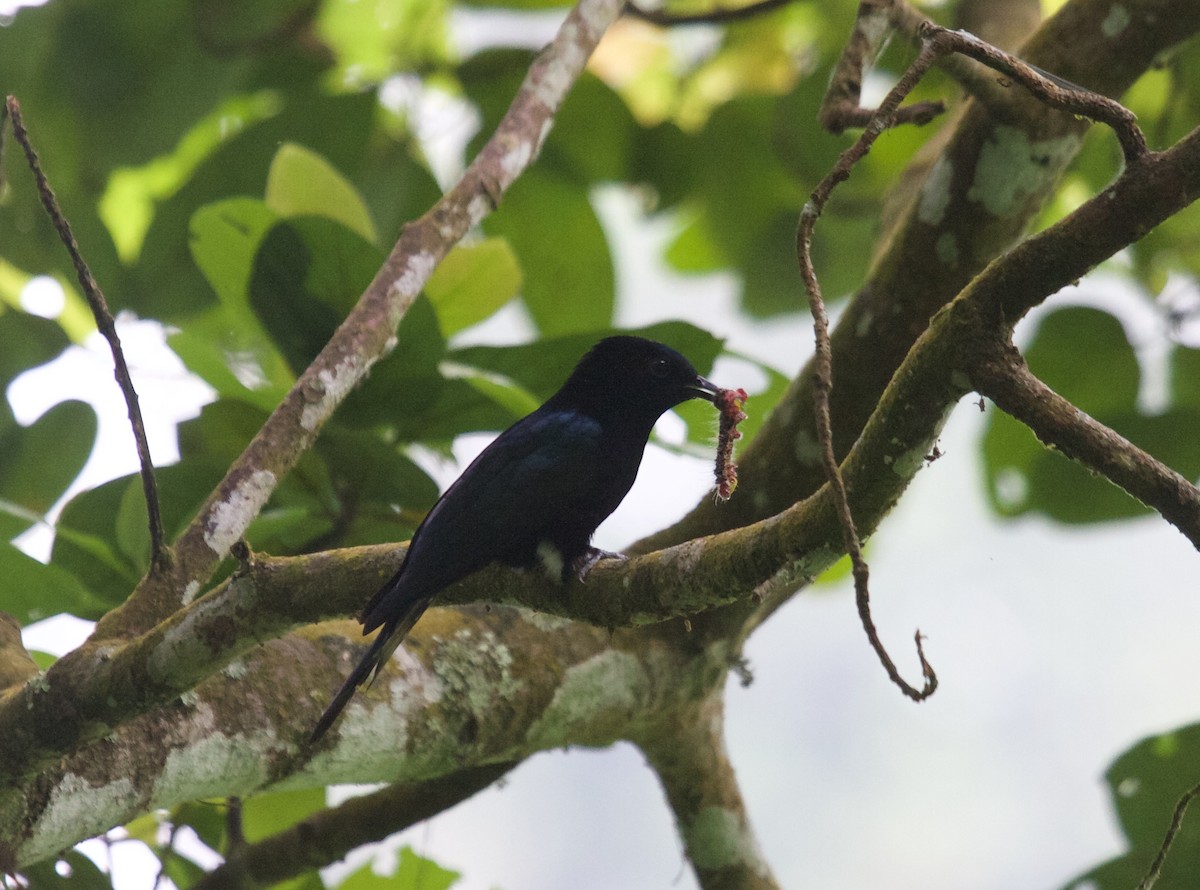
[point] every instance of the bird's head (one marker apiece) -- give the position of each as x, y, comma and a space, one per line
636, 376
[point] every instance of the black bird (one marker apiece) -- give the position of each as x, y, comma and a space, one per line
538, 492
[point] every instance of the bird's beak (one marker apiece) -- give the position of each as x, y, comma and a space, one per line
704, 389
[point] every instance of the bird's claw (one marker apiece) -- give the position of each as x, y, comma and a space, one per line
590, 557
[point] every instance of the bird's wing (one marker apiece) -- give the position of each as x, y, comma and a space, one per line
528, 481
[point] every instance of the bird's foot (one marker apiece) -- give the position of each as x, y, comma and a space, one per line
590, 557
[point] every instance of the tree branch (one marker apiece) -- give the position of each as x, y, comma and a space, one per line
1006, 380
701, 787
470, 687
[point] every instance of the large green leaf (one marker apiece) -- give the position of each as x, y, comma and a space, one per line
308, 273
578, 147
69, 871
163, 284
97, 537
1185, 377
472, 282
225, 239
42, 459
27, 341
1145, 784
413, 872
375, 38
302, 183
565, 262
33, 590
363, 469
268, 814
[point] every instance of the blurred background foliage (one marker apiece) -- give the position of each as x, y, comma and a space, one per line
237, 172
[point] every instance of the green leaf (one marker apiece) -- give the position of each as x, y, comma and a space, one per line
1145, 783
565, 262
225, 240
302, 183
373, 39
225, 236
221, 431
33, 590
133, 526
206, 818
308, 273
182, 871
88, 540
237, 365
414, 872
340, 128
472, 282
578, 147
1084, 355
80, 873
1185, 377
364, 469
42, 459
27, 341
265, 815
515, 399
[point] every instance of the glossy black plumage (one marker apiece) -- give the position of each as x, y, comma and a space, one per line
539, 490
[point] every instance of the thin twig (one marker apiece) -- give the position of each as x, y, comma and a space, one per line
840, 109
159, 554
1048, 88
712, 17
1176, 823
235, 833
884, 117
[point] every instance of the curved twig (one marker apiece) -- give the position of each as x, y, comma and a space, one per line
881, 119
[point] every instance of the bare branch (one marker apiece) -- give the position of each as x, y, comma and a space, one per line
1048, 88
1007, 381
160, 554
880, 120
840, 109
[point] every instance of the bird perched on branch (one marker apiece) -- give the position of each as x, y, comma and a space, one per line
538, 492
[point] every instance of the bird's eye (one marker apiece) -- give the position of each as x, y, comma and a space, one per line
660, 367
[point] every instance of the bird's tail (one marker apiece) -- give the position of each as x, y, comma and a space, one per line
390, 636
